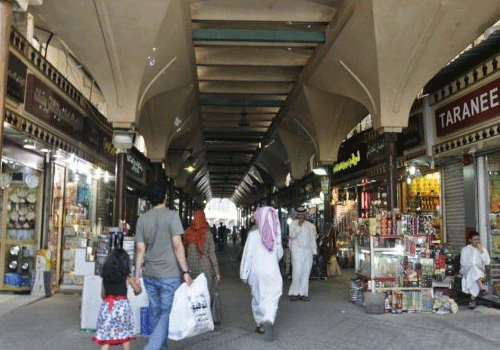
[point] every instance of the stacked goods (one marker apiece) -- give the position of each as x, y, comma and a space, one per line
356, 291
106, 243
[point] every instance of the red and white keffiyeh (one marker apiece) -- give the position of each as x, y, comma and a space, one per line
269, 225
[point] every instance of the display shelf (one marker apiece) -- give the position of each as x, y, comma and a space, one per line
391, 236
21, 207
19, 242
15, 289
391, 250
383, 289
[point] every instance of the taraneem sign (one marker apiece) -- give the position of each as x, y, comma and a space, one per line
474, 107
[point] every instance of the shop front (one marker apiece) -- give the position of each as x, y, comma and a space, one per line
467, 128
21, 212
389, 248
72, 200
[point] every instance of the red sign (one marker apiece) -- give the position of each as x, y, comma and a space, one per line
477, 106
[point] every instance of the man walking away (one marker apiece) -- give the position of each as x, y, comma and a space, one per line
260, 269
158, 242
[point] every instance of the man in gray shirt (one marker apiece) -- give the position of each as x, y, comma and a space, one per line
158, 242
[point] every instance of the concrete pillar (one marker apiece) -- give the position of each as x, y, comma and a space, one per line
119, 208
171, 194
392, 179
181, 204
158, 174
5, 19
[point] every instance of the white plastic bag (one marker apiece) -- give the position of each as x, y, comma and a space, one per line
191, 313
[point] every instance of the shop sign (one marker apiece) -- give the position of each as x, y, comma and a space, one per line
352, 156
135, 166
347, 164
98, 139
375, 153
472, 108
412, 135
46, 104
16, 80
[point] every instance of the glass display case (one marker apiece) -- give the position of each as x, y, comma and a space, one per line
54, 242
21, 220
395, 261
79, 204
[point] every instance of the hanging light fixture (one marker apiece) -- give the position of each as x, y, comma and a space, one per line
243, 120
190, 163
29, 144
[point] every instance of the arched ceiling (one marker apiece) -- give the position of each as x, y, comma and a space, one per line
257, 88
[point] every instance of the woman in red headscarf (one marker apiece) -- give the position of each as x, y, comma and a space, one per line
200, 249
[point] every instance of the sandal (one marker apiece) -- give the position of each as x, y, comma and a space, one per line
260, 329
294, 297
304, 298
472, 304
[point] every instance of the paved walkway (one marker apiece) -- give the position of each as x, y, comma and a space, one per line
328, 321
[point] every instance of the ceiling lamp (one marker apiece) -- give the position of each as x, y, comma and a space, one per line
320, 171
29, 144
190, 168
190, 163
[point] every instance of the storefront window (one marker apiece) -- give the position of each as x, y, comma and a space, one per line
80, 211
421, 204
494, 216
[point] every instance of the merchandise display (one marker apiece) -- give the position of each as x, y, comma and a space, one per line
405, 267
20, 210
77, 230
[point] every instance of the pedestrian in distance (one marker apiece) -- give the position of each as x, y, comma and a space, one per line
114, 323
260, 269
302, 243
158, 242
200, 248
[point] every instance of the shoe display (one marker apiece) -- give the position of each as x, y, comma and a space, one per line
269, 331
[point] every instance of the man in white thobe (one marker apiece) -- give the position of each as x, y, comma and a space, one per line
260, 269
302, 242
474, 259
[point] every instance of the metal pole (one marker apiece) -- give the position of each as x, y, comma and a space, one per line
5, 19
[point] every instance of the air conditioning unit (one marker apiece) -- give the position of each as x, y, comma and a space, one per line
22, 5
